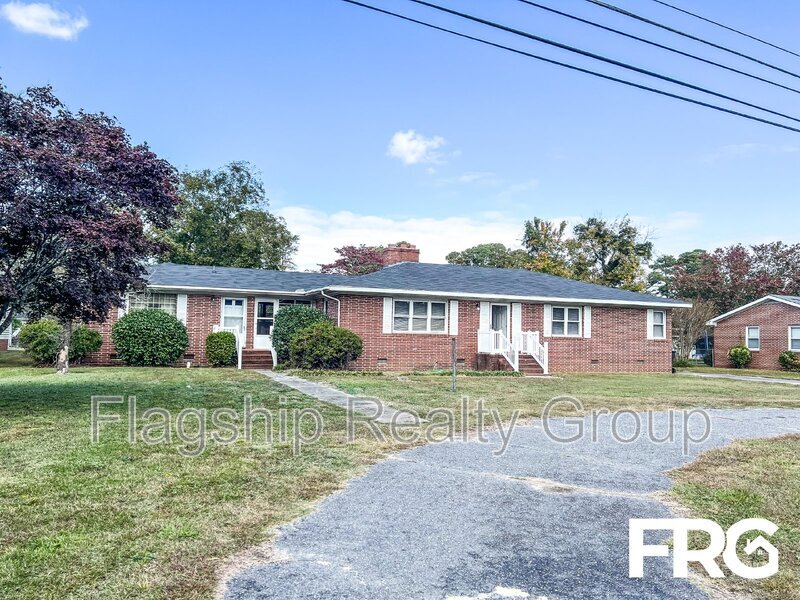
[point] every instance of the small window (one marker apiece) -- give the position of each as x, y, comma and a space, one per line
291, 302
166, 302
566, 321
754, 338
794, 338
659, 325
419, 316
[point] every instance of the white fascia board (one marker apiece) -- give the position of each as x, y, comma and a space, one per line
419, 293
730, 313
475, 296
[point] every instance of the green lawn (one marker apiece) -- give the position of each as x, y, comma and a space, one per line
529, 395
757, 372
748, 479
115, 520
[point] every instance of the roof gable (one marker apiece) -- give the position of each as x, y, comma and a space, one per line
790, 300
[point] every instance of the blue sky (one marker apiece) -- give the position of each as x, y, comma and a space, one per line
313, 92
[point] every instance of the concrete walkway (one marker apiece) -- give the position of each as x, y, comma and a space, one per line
755, 378
371, 407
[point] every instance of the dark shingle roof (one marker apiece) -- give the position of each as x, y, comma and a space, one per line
172, 275
501, 282
453, 279
792, 299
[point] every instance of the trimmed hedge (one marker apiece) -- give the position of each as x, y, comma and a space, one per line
84, 341
149, 338
41, 341
324, 346
789, 360
221, 349
740, 356
288, 321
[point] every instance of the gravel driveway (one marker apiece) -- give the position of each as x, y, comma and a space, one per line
546, 519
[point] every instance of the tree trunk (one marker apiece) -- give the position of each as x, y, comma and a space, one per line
62, 363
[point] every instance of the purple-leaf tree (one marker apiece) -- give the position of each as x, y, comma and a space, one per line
356, 260
77, 200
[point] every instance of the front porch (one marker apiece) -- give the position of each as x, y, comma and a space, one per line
524, 352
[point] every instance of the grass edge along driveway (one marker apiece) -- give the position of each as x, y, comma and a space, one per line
750, 479
121, 520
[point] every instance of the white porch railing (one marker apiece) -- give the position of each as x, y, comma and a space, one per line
239, 341
530, 344
527, 342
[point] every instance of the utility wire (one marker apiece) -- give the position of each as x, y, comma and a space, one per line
574, 67
601, 58
628, 13
657, 45
718, 24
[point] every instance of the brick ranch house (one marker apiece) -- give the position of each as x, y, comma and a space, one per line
408, 313
767, 326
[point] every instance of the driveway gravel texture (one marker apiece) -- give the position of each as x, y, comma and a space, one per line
544, 520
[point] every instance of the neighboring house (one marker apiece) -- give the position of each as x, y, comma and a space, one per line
767, 326
408, 312
5, 338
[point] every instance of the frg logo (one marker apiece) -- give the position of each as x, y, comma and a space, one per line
721, 543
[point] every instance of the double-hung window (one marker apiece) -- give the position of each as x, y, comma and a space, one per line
166, 302
658, 325
566, 321
753, 338
794, 338
419, 316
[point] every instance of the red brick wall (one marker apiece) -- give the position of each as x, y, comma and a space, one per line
203, 312
618, 344
3, 345
774, 319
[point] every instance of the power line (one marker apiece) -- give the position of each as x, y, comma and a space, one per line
601, 58
628, 13
657, 45
747, 35
574, 67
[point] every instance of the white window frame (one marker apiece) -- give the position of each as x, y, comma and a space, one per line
789, 333
148, 296
566, 321
244, 311
410, 317
747, 337
652, 324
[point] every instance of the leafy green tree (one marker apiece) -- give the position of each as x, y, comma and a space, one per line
612, 253
661, 279
547, 247
490, 255
223, 220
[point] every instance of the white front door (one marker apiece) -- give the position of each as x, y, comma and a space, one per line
264, 320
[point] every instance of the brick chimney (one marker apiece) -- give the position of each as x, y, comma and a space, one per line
400, 252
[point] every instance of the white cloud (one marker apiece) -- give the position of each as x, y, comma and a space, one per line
43, 19
414, 148
321, 232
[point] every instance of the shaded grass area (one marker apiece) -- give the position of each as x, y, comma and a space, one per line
119, 520
778, 374
751, 479
529, 395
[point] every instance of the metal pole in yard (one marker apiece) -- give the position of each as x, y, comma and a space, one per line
453, 344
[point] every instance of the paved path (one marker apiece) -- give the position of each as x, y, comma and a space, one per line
756, 378
451, 520
325, 393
